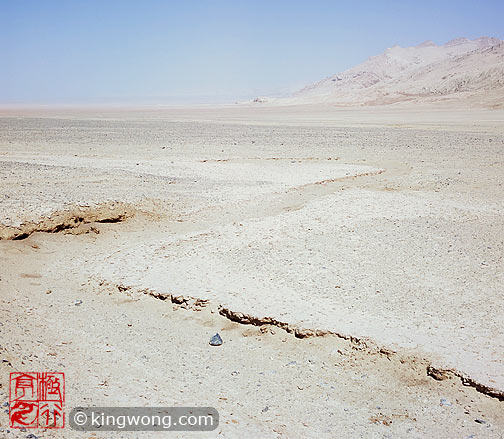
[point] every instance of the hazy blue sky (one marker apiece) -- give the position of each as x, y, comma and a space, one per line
107, 50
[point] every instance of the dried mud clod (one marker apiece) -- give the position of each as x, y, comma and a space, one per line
184, 302
73, 220
439, 374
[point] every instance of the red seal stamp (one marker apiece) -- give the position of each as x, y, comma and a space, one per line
37, 399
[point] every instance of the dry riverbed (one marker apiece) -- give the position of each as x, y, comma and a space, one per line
352, 262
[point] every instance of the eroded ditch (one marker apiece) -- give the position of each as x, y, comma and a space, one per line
362, 344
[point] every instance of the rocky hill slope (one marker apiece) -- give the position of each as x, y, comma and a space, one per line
461, 68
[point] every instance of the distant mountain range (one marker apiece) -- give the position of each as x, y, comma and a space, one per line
461, 68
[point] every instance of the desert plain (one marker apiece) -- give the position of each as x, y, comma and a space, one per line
350, 258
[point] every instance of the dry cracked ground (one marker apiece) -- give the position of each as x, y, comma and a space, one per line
351, 260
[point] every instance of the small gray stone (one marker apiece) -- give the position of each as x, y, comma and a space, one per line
216, 340
445, 402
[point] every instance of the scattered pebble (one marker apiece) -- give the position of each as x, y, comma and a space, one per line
445, 402
216, 340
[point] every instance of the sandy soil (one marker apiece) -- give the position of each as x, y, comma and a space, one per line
351, 259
